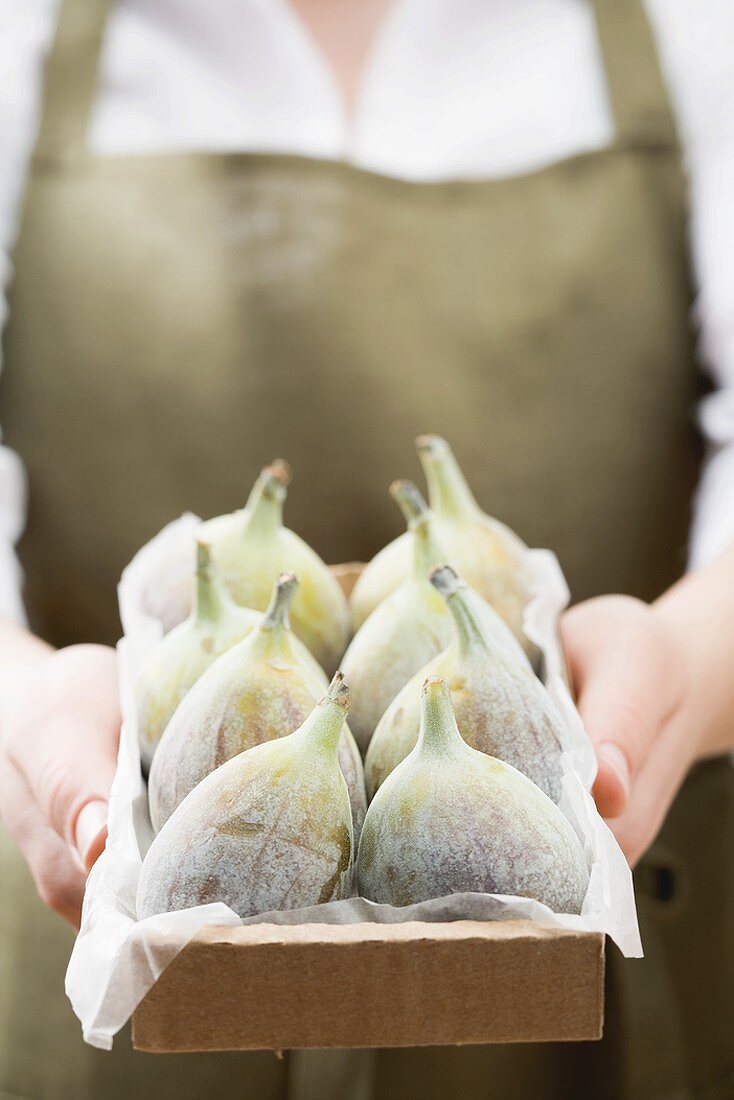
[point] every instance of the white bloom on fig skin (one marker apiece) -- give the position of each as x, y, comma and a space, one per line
251, 547
451, 820
501, 708
214, 624
261, 689
403, 633
269, 830
486, 553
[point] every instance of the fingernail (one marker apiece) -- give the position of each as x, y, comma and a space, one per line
90, 832
613, 758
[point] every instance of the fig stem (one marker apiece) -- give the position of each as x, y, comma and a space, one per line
278, 612
458, 598
426, 550
324, 724
211, 598
264, 508
439, 732
410, 501
448, 491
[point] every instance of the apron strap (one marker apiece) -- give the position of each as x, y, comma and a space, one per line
71, 81
640, 100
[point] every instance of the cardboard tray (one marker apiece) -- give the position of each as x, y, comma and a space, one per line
288, 987
283, 987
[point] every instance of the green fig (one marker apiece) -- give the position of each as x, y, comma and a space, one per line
214, 624
261, 689
401, 635
487, 554
270, 829
380, 577
501, 708
452, 820
252, 547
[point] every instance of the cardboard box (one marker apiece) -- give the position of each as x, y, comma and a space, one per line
375, 985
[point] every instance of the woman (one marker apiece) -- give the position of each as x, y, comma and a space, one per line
318, 230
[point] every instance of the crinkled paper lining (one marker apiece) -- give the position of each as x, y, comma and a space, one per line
116, 961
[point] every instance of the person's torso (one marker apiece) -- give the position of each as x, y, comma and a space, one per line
178, 320
203, 313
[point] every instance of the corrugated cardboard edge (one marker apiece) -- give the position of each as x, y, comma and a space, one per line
280, 987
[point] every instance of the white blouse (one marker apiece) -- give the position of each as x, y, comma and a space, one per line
453, 89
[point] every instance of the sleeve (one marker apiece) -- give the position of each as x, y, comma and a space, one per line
26, 29
696, 44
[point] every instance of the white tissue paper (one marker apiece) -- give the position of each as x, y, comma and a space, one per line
114, 962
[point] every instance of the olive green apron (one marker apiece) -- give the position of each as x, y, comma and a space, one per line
177, 320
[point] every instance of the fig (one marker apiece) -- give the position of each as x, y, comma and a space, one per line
450, 819
270, 829
501, 708
401, 635
488, 555
214, 624
261, 689
252, 547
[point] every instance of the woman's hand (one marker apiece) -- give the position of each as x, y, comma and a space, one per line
59, 729
632, 684
655, 688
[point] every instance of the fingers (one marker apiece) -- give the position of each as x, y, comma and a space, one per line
90, 832
622, 721
56, 874
63, 743
625, 676
59, 754
655, 788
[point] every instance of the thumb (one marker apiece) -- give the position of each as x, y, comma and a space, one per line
66, 745
621, 677
89, 832
614, 709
